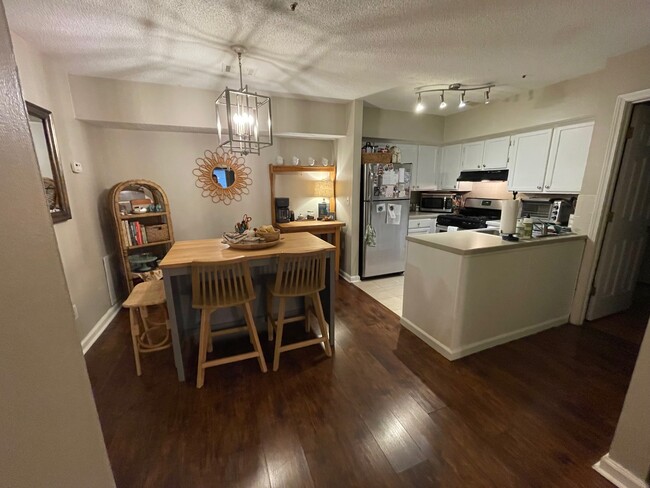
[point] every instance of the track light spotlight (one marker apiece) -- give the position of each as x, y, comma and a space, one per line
419, 107
462, 103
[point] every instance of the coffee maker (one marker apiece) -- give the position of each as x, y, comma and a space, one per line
282, 212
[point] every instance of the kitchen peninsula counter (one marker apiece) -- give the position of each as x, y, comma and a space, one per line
468, 291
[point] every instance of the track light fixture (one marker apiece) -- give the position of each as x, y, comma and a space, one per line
419, 107
454, 87
461, 103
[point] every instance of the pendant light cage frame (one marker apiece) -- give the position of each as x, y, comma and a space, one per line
245, 117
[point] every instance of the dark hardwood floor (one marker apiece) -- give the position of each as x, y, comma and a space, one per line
386, 410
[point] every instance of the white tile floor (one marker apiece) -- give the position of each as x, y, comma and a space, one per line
387, 291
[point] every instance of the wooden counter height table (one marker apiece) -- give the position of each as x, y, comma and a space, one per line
318, 227
177, 275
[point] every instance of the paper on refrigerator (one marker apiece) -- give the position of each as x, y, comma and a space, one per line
393, 214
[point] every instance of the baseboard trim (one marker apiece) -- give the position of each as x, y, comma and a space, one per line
348, 277
453, 354
97, 330
617, 474
435, 344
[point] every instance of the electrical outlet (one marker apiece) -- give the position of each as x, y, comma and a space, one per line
75, 311
76, 167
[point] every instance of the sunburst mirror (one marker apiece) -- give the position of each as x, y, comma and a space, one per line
222, 176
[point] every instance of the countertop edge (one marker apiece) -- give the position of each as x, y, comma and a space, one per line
496, 247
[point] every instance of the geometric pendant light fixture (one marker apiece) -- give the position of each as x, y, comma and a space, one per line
243, 118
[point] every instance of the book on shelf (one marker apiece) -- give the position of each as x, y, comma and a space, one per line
134, 233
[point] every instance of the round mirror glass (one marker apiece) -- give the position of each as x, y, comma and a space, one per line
224, 177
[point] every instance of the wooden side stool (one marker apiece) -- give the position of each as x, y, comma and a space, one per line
222, 285
147, 335
299, 275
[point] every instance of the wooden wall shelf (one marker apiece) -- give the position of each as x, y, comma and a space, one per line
280, 170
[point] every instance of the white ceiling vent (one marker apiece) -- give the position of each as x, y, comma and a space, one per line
234, 69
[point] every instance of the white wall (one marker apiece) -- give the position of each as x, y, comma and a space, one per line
48, 422
348, 181
165, 107
402, 126
82, 242
168, 159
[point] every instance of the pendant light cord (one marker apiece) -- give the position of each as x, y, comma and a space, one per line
241, 81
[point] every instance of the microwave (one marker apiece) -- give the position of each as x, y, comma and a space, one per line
555, 211
436, 202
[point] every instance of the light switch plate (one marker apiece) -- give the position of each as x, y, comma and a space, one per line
76, 167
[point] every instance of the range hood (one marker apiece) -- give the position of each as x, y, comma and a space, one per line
489, 175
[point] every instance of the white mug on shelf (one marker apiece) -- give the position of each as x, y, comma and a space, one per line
295, 160
324, 161
279, 160
311, 161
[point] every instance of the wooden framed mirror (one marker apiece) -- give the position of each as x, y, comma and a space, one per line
222, 176
49, 163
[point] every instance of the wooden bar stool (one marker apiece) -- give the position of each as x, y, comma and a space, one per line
223, 285
299, 275
147, 335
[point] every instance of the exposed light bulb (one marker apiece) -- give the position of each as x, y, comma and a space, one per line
443, 104
487, 96
419, 107
462, 103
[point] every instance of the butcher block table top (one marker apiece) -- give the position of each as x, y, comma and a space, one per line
183, 253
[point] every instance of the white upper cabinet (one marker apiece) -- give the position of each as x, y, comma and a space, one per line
495, 153
449, 167
425, 178
568, 158
528, 157
408, 153
472, 156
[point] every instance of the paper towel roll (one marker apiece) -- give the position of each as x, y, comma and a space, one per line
509, 214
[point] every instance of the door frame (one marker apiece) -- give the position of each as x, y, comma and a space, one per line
607, 184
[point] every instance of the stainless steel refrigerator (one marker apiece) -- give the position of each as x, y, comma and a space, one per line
386, 191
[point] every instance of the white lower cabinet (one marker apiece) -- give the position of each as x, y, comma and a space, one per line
421, 226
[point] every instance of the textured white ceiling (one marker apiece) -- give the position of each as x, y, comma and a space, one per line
378, 50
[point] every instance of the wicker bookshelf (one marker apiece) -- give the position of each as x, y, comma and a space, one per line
159, 224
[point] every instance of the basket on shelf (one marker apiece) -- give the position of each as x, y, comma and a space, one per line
157, 233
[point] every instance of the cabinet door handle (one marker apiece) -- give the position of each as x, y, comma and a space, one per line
479, 166
484, 166
547, 186
539, 187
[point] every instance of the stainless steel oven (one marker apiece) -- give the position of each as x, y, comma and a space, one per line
436, 202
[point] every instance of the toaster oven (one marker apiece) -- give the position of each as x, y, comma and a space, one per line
555, 211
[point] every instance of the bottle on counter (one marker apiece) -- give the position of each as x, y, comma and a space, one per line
520, 228
528, 227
